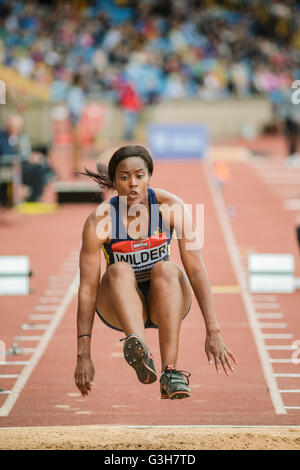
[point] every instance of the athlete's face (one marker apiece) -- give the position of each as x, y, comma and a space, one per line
132, 180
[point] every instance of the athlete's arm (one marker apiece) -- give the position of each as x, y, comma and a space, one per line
179, 217
90, 270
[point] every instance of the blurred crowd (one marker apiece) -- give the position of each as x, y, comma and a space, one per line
164, 49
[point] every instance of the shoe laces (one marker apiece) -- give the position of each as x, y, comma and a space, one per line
173, 370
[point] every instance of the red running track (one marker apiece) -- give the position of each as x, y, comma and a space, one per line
48, 396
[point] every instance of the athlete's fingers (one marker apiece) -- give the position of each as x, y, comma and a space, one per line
81, 388
217, 364
81, 384
88, 386
232, 357
223, 362
208, 353
229, 364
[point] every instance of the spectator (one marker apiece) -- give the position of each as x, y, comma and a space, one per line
14, 143
290, 114
75, 101
131, 104
189, 42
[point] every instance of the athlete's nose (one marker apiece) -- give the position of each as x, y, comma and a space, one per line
132, 181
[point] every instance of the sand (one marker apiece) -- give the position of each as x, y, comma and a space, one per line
119, 438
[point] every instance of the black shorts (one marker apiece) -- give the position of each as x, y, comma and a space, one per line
144, 288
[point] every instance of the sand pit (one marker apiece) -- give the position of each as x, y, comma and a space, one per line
119, 438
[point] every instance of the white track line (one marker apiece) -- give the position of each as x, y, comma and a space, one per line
286, 375
200, 426
242, 280
153, 426
33, 326
269, 315
278, 336
46, 308
9, 376
28, 338
263, 298
272, 325
42, 316
281, 361
45, 339
14, 363
51, 300
54, 292
266, 305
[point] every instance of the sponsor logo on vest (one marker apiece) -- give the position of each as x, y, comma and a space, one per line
143, 258
140, 244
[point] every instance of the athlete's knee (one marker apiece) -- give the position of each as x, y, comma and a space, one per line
165, 271
120, 271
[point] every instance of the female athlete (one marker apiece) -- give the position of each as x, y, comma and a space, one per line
141, 287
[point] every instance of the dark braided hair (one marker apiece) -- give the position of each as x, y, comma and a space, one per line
106, 175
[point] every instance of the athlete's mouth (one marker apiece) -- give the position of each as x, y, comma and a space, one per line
133, 193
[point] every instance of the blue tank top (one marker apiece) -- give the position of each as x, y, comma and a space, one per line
143, 253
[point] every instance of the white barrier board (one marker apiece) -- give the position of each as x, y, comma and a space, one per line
271, 283
14, 265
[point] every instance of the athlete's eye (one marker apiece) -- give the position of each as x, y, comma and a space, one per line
123, 178
140, 176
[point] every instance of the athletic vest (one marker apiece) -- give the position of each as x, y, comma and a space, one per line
141, 254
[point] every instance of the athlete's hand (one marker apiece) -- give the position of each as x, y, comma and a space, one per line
214, 347
84, 374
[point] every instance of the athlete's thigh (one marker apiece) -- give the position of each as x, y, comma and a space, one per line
105, 302
156, 295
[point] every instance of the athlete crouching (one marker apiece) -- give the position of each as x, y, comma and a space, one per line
142, 287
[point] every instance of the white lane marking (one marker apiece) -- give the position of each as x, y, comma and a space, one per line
15, 363
33, 326
281, 348
46, 308
272, 325
287, 375
54, 292
269, 315
166, 426
263, 298
291, 204
278, 336
28, 338
292, 407
242, 280
5, 392
290, 391
26, 350
266, 306
281, 361
27, 371
199, 426
9, 376
51, 300
42, 316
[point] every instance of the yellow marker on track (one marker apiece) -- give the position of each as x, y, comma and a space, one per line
36, 208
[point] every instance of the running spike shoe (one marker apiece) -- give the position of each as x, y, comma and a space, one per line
139, 357
174, 384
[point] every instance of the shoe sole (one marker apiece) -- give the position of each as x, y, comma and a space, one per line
135, 353
178, 395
